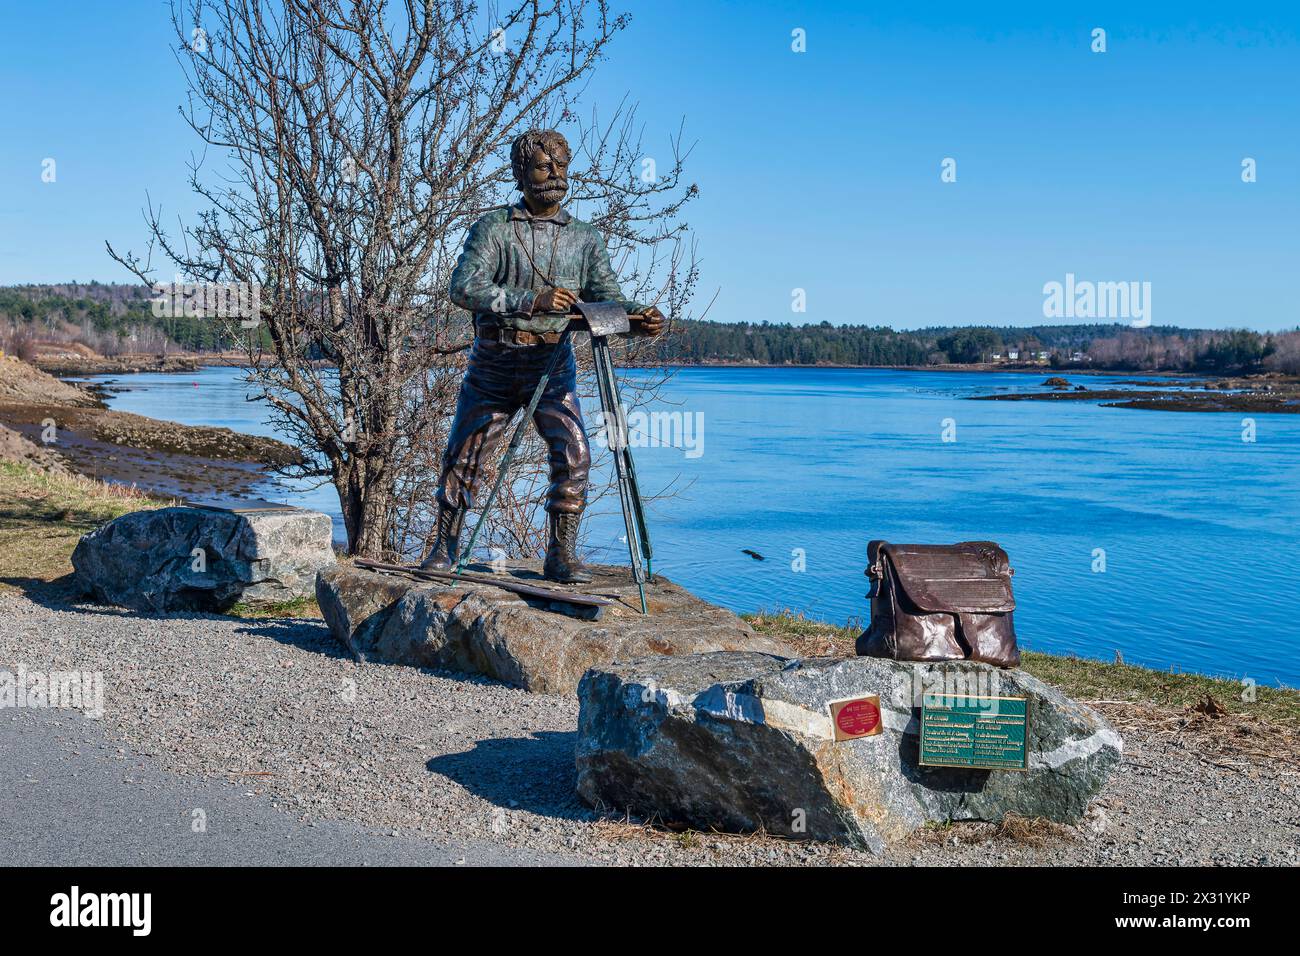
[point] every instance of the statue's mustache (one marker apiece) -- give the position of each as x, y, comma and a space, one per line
550, 186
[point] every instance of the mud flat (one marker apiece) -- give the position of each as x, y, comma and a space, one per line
71, 426
73, 365
1247, 394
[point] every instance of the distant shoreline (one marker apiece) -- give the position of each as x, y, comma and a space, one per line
65, 367
1263, 393
984, 367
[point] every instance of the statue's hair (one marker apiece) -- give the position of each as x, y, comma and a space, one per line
526, 145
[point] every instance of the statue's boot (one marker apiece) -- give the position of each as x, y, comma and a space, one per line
446, 547
562, 562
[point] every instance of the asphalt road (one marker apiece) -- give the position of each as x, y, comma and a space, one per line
68, 798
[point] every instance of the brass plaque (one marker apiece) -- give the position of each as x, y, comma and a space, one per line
856, 717
985, 733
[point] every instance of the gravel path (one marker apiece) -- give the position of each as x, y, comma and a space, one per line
275, 710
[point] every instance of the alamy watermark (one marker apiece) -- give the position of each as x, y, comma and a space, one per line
208, 300
948, 685
71, 690
1085, 299
638, 429
74, 908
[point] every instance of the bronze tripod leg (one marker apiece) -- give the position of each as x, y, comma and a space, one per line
638, 535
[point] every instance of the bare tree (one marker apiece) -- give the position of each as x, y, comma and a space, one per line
1286, 353
348, 146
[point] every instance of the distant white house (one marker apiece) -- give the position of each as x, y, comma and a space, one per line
1013, 355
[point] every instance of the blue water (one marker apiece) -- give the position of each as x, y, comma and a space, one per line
1198, 527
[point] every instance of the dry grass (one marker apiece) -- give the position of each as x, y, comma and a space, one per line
1212, 735
810, 638
299, 608
614, 827
1025, 831
1107, 686
42, 515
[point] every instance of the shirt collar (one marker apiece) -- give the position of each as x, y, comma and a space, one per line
520, 210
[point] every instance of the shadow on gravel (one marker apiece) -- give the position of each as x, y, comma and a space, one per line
58, 593
310, 635
533, 773
62, 594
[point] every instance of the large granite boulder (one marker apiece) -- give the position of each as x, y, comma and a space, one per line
743, 742
479, 629
204, 559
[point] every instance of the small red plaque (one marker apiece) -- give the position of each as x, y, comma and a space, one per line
856, 717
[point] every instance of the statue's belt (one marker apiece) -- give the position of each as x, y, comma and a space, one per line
508, 336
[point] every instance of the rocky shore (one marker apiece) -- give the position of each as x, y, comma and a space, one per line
57, 424
1257, 394
74, 364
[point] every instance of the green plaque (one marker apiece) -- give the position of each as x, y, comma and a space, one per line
987, 733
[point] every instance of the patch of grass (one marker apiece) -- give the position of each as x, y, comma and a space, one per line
43, 514
810, 638
300, 608
1091, 680
1031, 831
1025, 831
1080, 678
614, 827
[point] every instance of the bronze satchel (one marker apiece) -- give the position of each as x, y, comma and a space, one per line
940, 602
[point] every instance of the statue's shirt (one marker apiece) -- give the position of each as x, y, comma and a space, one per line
510, 254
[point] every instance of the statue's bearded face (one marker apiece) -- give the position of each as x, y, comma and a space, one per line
546, 177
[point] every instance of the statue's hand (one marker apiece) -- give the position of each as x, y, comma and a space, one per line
651, 322
555, 300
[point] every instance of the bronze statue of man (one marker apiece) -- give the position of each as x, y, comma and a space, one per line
522, 269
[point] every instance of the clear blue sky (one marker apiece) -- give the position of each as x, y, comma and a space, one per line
818, 170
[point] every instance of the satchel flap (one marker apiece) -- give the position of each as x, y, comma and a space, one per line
973, 577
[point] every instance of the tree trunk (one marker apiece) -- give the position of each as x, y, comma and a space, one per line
364, 499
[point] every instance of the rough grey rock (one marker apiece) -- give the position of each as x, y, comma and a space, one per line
479, 629
357, 604
744, 742
17, 447
146, 560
